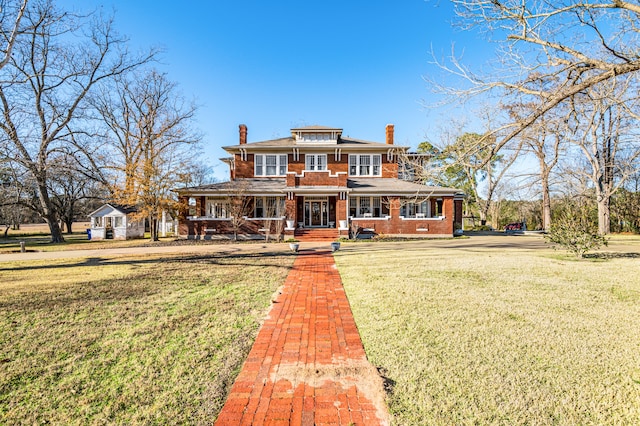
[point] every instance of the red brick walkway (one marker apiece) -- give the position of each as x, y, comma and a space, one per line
307, 365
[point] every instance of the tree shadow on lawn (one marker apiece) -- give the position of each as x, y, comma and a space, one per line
111, 290
102, 292
470, 245
216, 259
611, 255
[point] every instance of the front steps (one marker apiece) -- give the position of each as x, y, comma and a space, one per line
316, 234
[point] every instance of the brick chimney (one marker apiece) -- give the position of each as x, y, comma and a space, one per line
243, 134
389, 129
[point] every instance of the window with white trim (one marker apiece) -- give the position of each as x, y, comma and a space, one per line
414, 209
191, 202
266, 207
365, 165
367, 207
270, 164
217, 208
315, 162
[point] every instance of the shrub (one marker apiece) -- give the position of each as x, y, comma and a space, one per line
575, 235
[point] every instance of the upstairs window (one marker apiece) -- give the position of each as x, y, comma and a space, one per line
270, 165
315, 162
365, 165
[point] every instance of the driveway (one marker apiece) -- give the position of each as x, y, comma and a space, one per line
473, 242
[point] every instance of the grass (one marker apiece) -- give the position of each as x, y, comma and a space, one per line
128, 340
499, 336
38, 238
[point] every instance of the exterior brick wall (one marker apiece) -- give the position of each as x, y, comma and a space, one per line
317, 179
396, 226
219, 229
457, 221
244, 169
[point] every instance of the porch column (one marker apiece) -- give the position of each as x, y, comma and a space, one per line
342, 214
290, 214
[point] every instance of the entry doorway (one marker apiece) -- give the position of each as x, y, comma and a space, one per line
316, 212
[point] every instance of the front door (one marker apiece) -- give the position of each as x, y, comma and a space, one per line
316, 213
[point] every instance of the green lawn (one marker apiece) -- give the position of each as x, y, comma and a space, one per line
128, 340
499, 336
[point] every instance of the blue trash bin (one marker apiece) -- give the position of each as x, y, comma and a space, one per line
89, 233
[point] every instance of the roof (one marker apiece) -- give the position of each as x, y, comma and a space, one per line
392, 186
277, 186
249, 186
289, 142
110, 208
316, 128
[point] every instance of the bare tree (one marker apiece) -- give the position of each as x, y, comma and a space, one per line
70, 189
11, 14
482, 167
57, 61
239, 205
605, 132
150, 132
11, 197
546, 140
550, 52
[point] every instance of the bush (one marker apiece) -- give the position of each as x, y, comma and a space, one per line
575, 236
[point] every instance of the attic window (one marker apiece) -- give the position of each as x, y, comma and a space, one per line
318, 137
315, 137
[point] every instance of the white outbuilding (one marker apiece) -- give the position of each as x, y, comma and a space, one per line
113, 221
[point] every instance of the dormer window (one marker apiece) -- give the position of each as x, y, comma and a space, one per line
317, 135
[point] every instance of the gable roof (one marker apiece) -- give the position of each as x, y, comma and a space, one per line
110, 208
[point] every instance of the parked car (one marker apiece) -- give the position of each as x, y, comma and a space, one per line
515, 227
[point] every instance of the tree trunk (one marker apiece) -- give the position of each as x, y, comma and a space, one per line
6, 231
546, 204
153, 228
54, 227
604, 215
482, 211
69, 223
49, 214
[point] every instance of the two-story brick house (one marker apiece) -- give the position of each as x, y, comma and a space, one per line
317, 178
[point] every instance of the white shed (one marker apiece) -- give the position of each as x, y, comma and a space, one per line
112, 221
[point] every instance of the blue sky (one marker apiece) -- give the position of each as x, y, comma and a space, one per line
274, 65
